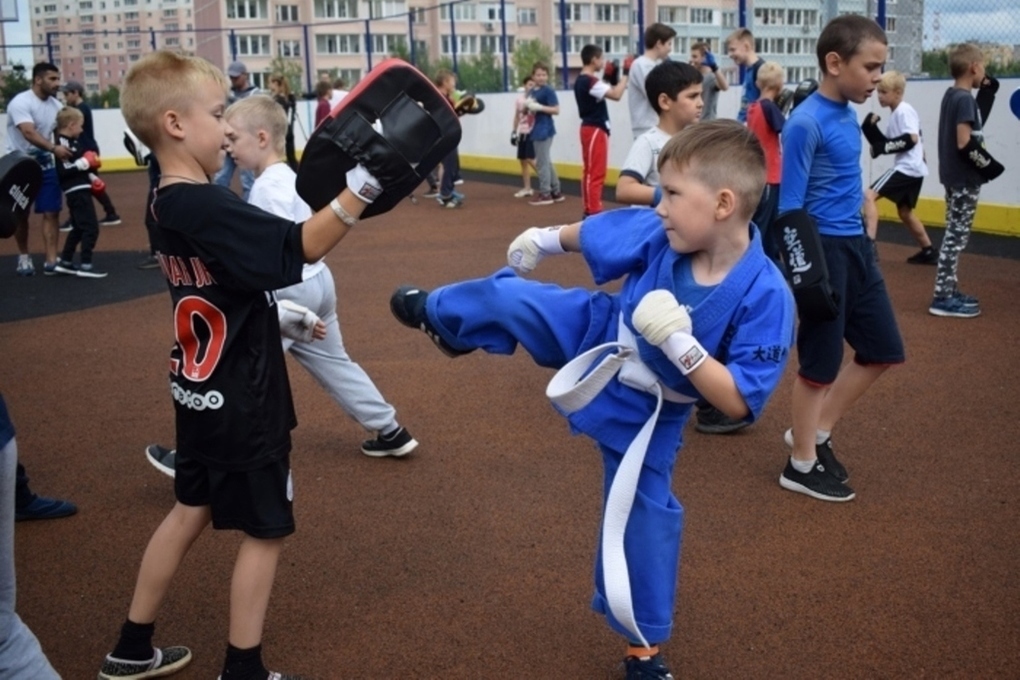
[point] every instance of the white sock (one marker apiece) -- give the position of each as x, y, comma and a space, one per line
821, 436
22, 259
802, 466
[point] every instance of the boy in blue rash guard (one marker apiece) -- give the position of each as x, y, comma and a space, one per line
822, 176
702, 313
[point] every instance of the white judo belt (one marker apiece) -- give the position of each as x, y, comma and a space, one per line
571, 389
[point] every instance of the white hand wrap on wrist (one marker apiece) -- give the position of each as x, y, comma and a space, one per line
362, 184
684, 350
528, 249
296, 321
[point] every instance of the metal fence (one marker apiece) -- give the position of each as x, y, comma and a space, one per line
488, 43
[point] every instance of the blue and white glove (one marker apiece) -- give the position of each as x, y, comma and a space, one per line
665, 323
529, 248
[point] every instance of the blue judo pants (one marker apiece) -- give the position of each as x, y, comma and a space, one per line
554, 325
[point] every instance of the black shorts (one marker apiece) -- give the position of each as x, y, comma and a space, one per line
865, 320
258, 502
525, 148
903, 190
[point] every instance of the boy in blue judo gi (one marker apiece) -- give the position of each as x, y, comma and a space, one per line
702, 312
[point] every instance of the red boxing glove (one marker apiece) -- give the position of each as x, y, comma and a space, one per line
98, 187
93, 158
627, 62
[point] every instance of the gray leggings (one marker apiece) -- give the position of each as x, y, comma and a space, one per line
961, 204
548, 182
21, 657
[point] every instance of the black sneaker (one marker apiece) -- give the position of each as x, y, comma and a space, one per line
924, 256
45, 508
162, 458
66, 267
819, 483
87, 271
66, 227
110, 220
711, 420
398, 444
166, 660
558, 197
827, 457
408, 305
151, 262
825, 454
647, 668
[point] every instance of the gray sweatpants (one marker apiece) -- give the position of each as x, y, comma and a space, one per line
327, 360
548, 182
21, 657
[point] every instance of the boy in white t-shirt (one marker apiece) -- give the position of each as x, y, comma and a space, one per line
674, 92
902, 183
658, 45
258, 128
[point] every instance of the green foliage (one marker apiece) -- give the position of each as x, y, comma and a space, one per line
935, 64
291, 69
481, 73
105, 100
526, 53
15, 81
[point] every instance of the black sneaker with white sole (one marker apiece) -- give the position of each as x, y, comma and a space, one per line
398, 443
165, 661
819, 483
162, 458
408, 304
825, 454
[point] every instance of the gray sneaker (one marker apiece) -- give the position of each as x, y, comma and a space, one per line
165, 661
162, 458
955, 307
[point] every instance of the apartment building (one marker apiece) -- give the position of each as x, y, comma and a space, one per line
95, 41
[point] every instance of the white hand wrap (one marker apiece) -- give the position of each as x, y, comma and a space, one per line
362, 184
532, 105
528, 249
296, 321
81, 164
663, 322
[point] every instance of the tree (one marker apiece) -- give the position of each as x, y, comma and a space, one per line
15, 81
105, 100
526, 53
291, 70
481, 73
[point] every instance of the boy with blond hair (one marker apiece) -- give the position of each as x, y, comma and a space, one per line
222, 259
740, 48
964, 165
901, 184
701, 312
77, 182
766, 120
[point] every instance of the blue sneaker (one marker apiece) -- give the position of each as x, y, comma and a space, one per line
45, 508
50, 269
954, 307
966, 300
647, 668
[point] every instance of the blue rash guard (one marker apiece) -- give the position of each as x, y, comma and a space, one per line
821, 166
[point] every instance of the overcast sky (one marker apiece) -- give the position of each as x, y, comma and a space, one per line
959, 20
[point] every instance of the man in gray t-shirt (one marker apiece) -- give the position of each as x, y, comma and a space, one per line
714, 82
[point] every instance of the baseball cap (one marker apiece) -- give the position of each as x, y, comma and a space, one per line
236, 68
74, 86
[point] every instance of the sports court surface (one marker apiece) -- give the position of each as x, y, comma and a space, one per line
472, 557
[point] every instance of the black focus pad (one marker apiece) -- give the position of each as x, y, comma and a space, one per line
20, 181
800, 247
978, 157
418, 129
805, 89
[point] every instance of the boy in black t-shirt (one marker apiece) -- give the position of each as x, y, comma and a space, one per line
77, 182
591, 95
964, 165
222, 258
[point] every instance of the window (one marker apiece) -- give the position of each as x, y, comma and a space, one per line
170, 14
84, 5
49, 9
288, 48
673, 15
131, 3
351, 76
729, 19
91, 73
88, 46
702, 15
253, 45
245, 9
892, 53
466, 44
134, 57
613, 14
337, 44
336, 9
890, 27
53, 21
575, 11
287, 14
388, 8
612, 44
494, 13
461, 12
134, 44
494, 43
527, 16
387, 43
130, 16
